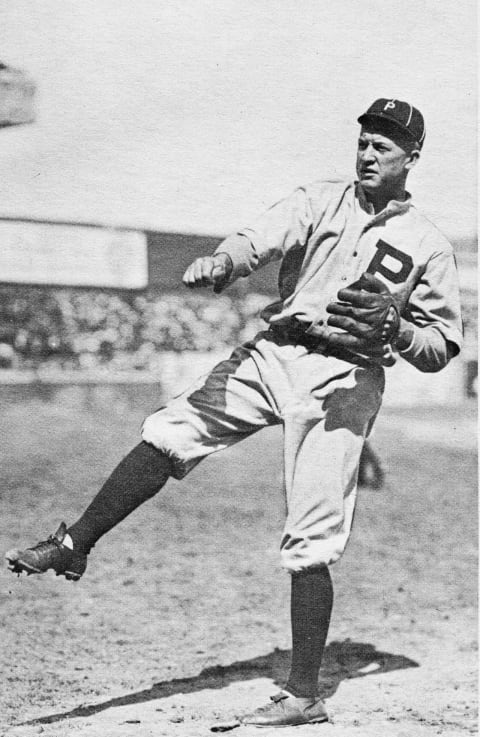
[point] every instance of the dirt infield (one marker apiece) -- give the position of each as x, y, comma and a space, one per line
181, 621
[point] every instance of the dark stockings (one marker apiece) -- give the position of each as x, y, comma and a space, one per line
311, 607
137, 477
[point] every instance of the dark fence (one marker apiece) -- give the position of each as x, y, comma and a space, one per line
169, 254
79, 328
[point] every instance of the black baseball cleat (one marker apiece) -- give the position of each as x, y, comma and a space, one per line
287, 710
51, 553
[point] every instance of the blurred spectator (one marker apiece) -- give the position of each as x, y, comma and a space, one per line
7, 356
88, 328
370, 472
17, 92
91, 329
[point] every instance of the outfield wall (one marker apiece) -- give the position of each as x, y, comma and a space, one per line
405, 386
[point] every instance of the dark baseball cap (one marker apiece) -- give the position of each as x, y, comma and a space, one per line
400, 114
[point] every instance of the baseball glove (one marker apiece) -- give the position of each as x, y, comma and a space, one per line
368, 314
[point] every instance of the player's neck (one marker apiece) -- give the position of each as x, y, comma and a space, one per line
380, 200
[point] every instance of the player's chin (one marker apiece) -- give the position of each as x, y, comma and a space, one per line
369, 182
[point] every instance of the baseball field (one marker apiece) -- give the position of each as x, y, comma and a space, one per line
181, 621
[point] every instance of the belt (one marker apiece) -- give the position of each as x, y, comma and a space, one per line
294, 333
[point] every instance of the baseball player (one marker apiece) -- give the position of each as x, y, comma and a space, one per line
364, 276
370, 470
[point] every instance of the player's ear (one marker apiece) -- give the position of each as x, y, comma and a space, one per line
413, 156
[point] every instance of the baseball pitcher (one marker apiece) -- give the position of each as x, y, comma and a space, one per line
364, 277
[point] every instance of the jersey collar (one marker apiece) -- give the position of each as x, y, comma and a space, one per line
394, 207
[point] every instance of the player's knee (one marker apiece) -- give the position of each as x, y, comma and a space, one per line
306, 554
157, 433
151, 433
172, 439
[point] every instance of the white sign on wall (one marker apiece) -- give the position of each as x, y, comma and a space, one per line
72, 255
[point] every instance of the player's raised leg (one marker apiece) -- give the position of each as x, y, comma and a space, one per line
139, 476
218, 410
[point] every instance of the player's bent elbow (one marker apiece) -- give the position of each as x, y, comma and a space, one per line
434, 361
431, 368
443, 359
431, 351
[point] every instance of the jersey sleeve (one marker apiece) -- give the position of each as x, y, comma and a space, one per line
434, 311
285, 225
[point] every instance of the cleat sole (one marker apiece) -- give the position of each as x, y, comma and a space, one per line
71, 576
285, 726
18, 566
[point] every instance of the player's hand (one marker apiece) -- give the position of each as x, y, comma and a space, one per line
209, 270
367, 312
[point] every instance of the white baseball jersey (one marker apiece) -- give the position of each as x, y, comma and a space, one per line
328, 235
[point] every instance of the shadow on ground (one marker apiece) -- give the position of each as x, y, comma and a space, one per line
342, 661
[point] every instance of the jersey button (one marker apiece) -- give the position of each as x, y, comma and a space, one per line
344, 278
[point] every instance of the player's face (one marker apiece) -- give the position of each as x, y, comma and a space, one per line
382, 164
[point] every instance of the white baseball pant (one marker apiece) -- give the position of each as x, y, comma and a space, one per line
327, 407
